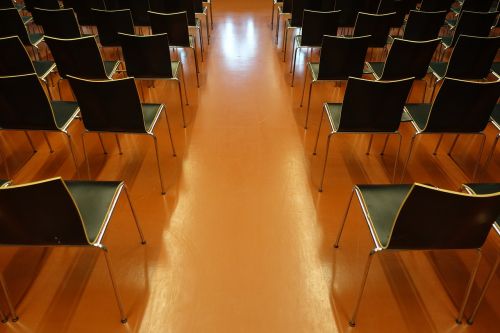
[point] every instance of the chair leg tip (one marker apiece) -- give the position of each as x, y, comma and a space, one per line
124, 320
336, 246
4, 320
320, 190
163, 192
458, 321
470, 322
352, 323
143, 242
15, 319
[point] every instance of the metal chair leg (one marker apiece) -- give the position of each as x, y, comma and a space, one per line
385, 144
294, 49
317, 135
453, 144
196, 65
339, 234
73, 155
294, 61
184, 82
397, 157
118, 144
272, 17
12, 310
439, 144
182, 102
85, 154
170, 133
285, 40
408, 157
158, 163
48, 142
326, 159
30, 142
469, 287
492, 152
136, 220
277, 26
309, 102
483, 292
352, 322
211, 17
123, 316
102, 144
369, 145
304, 85
476, 168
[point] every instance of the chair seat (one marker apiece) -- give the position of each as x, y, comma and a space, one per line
438, 69
27, 19
94, 201
419, 114
43, 68
110, 67
377, 68
175, 68
64, 113
446, 41
150, 113
333, 111
314, 68
35, 39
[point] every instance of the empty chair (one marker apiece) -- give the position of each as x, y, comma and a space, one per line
83, 9
59, 23
13, 25
422, 217
175, 26
139, 9
340, 58
53, 212
314, 26
484, 188
110, 23
436, 5
374, 107
349, 10
377, 26
148, 58
400, 7
113, 106
24, 106
460, 107
422, 25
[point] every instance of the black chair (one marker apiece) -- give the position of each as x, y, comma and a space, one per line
110, 23
148, 58
59, 23
422, 217
139, 9
482, 189
314, 26
340, 58
471, 59
53, 212
13, 25
350, 9
377, 26
47, 4
175, 25
422, 25
80, 57
284, 10
276, 3
24, 106
406, 58
374, 107
113, 106
436, 5
460, 107
83, 10
6, 4
400, 7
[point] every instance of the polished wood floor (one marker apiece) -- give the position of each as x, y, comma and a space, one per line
242, 241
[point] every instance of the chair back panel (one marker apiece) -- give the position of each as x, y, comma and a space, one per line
287, 6
110, 23
14, 60
139, 9
317, 24
24, 105
175, 6
146, 56
78, 57
83, 9
373, 106
477, 5
435, 219
474, 24
109, 106
342, 57
409, 59
422, 25
400, 7
59, 23
41, 213
12, 25
4, 4
376, 25
463, 106
472, 57
350, 9
436, 5
47, 4
173, 24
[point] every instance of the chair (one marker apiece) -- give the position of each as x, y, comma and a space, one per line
314, 26
460, 107
422, 25
148, 58
284, 10
374, 107
422, 217
110, 23
83, 10
175, 25
13, 25
482, 189
340, 58
139, 9
24, 106
59, 23
471, 59
349, 10
113, 106
436, 5
80, 57
276, 3
377, 26
6, 4
202, 10
54, 212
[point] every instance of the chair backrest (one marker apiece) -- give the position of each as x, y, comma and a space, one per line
14, 59
477, 5
173, 24
78, 57
474, 24
110, 105
317, 24
6, 4
12, 25
175, 6
41, 213
472, 57
110, 23
462, 106
373, 106
376, 25
146, 56
350, 9
400, 7
83, 9
436, 5
342, 57
60, 23
485, 188
431, 218
47, 4
423, 25
24, 104
139, 9
408, 58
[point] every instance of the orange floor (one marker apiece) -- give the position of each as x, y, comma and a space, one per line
242, 241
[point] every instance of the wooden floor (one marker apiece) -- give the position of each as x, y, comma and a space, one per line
242, 241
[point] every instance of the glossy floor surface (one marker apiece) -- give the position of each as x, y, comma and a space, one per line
242, 241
